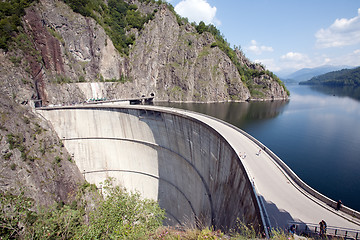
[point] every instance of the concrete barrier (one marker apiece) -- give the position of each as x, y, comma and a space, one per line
177, 160
300, 184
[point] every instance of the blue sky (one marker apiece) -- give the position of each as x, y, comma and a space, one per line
284, 35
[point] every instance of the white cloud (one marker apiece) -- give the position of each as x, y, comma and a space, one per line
197, 10
255, 48
343, 32
294, 56
269, 64
295, 60
350, 59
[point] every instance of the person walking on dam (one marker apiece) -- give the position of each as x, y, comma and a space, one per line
338, 205
322, 228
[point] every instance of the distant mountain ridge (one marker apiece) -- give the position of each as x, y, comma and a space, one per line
305, 74
344, 77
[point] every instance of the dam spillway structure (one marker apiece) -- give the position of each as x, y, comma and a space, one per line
178, 160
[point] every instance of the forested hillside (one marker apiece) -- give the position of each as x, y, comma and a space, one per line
345, 77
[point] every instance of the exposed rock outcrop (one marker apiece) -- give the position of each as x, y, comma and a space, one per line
170, 60
61, 57
33, 159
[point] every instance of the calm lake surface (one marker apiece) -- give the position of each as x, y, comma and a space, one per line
316, 133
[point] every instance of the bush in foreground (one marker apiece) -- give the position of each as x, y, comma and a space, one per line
122, 215
117, 214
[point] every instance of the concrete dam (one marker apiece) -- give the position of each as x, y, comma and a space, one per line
187, 166
190, 163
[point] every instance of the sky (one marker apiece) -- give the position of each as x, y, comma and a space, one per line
284, 35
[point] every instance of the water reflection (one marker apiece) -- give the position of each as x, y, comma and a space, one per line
237, 113
342, 91
315, 133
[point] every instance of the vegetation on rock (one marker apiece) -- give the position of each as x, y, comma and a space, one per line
11, 12
116, 17
345, 77
117, 215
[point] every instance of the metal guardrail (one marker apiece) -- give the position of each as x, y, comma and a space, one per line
332, 231
311, 229
297, 180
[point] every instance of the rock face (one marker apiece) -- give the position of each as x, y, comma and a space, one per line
172, 61
33, 158
181, 65
61, 57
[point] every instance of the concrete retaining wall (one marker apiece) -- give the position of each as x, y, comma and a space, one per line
181, 162
301, 185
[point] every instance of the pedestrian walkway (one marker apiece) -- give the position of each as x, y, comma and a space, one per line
284, 201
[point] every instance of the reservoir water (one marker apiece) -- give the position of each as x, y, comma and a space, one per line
316, 133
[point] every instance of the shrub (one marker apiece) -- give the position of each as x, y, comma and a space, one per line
81, 78
58, 159
122, 215
57, 222
8, 155
14, 215
14, 141
13, 166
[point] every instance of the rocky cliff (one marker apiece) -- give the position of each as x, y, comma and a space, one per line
33, 159
58, 56
60, 49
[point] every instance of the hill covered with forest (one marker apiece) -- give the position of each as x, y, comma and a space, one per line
344, 77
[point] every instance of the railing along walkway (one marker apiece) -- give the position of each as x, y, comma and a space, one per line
311, 229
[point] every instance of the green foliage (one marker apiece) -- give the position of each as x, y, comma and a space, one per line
246, 73
122, 216
87, 7
55, 34
17, 141
11, 12
58, 159
81, 78
122, 79
13, 166
15, 60
117, 17
201, 27
56, 222
121, 17
87, 186
180, 20
14, 141
14, 214
60, 79
23, 42
7, 155
345, 77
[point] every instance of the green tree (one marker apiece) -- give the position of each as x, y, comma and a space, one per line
122, 216
201, 27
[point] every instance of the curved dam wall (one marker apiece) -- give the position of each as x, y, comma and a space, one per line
177, 160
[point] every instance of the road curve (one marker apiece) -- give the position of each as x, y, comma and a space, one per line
284, 201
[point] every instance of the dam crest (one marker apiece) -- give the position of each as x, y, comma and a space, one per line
190, 164
187, 166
